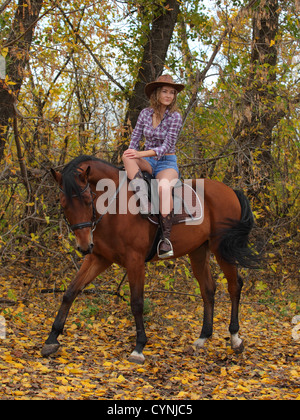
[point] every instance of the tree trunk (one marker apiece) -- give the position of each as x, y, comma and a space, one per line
151, 66
7, 103
259, 116
18, 44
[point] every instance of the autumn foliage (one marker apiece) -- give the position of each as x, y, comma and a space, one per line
72, 76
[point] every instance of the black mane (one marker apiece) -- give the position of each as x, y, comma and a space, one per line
71, 172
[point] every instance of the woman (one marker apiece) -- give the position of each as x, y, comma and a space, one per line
160, 124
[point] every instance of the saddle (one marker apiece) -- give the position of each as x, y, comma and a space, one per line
188, 207
187, 204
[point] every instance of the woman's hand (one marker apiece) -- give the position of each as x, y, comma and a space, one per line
132, 154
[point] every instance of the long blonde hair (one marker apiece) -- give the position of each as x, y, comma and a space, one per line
155, 104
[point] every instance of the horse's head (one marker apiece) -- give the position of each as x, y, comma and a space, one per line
76, 199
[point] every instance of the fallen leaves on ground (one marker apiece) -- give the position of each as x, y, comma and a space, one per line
99, 336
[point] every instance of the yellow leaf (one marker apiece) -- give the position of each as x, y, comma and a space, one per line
64, 389
293, 372
62, 360
78, 253
175, 378
17, 365
242, 388
121, 378
182, 394
44, 369
4, 52
63, 381
272, 43
274, 267
223, 371
87, 384
266, 380
18, 393
75, 371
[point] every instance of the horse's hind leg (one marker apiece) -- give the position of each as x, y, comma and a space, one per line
235, 284
91, 267
201, 269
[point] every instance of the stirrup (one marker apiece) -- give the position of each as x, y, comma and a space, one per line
165, 254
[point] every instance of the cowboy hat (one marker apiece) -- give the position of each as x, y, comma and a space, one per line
164, 80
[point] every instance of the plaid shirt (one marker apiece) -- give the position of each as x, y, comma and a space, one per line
161, 139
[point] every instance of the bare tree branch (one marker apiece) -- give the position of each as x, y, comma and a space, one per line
4, 5
200, 76
111, 78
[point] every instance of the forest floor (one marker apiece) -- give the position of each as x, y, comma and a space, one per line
92, 362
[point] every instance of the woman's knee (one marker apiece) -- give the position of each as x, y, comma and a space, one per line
165, 189
125, 158
166, 185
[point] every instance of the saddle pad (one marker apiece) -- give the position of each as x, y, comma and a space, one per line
188, 207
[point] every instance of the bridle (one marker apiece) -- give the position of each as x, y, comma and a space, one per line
91, 224
94, 222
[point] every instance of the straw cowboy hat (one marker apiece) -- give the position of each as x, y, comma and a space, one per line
164, 80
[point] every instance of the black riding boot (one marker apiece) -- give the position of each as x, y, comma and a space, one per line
141, 189
165, 248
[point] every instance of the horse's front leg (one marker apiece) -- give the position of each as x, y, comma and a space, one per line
136, 277
91, 267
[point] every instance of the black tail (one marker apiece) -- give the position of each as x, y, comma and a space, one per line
234, 245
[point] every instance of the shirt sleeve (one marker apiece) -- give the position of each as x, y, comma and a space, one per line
171, 137
137, 133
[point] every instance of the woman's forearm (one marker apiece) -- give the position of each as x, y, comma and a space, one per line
135, 154
147, 153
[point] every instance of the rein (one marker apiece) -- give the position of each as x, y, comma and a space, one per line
94, 222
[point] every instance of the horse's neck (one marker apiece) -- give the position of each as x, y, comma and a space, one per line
102, 171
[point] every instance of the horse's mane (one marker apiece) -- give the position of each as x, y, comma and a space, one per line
71, 172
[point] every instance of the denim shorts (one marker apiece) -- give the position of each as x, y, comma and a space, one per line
165, 162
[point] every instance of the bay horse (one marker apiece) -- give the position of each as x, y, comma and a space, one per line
125, 239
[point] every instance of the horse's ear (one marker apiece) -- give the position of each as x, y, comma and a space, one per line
87, 172
56, 175
83, 176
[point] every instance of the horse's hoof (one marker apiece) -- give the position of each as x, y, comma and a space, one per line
240, 348
199, 344
136, 357
49, 349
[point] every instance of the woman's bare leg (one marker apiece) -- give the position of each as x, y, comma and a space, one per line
133, 165
167, 179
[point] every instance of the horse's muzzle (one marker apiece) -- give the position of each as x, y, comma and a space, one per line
87, 251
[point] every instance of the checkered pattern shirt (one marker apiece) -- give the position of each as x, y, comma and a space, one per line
161, 139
